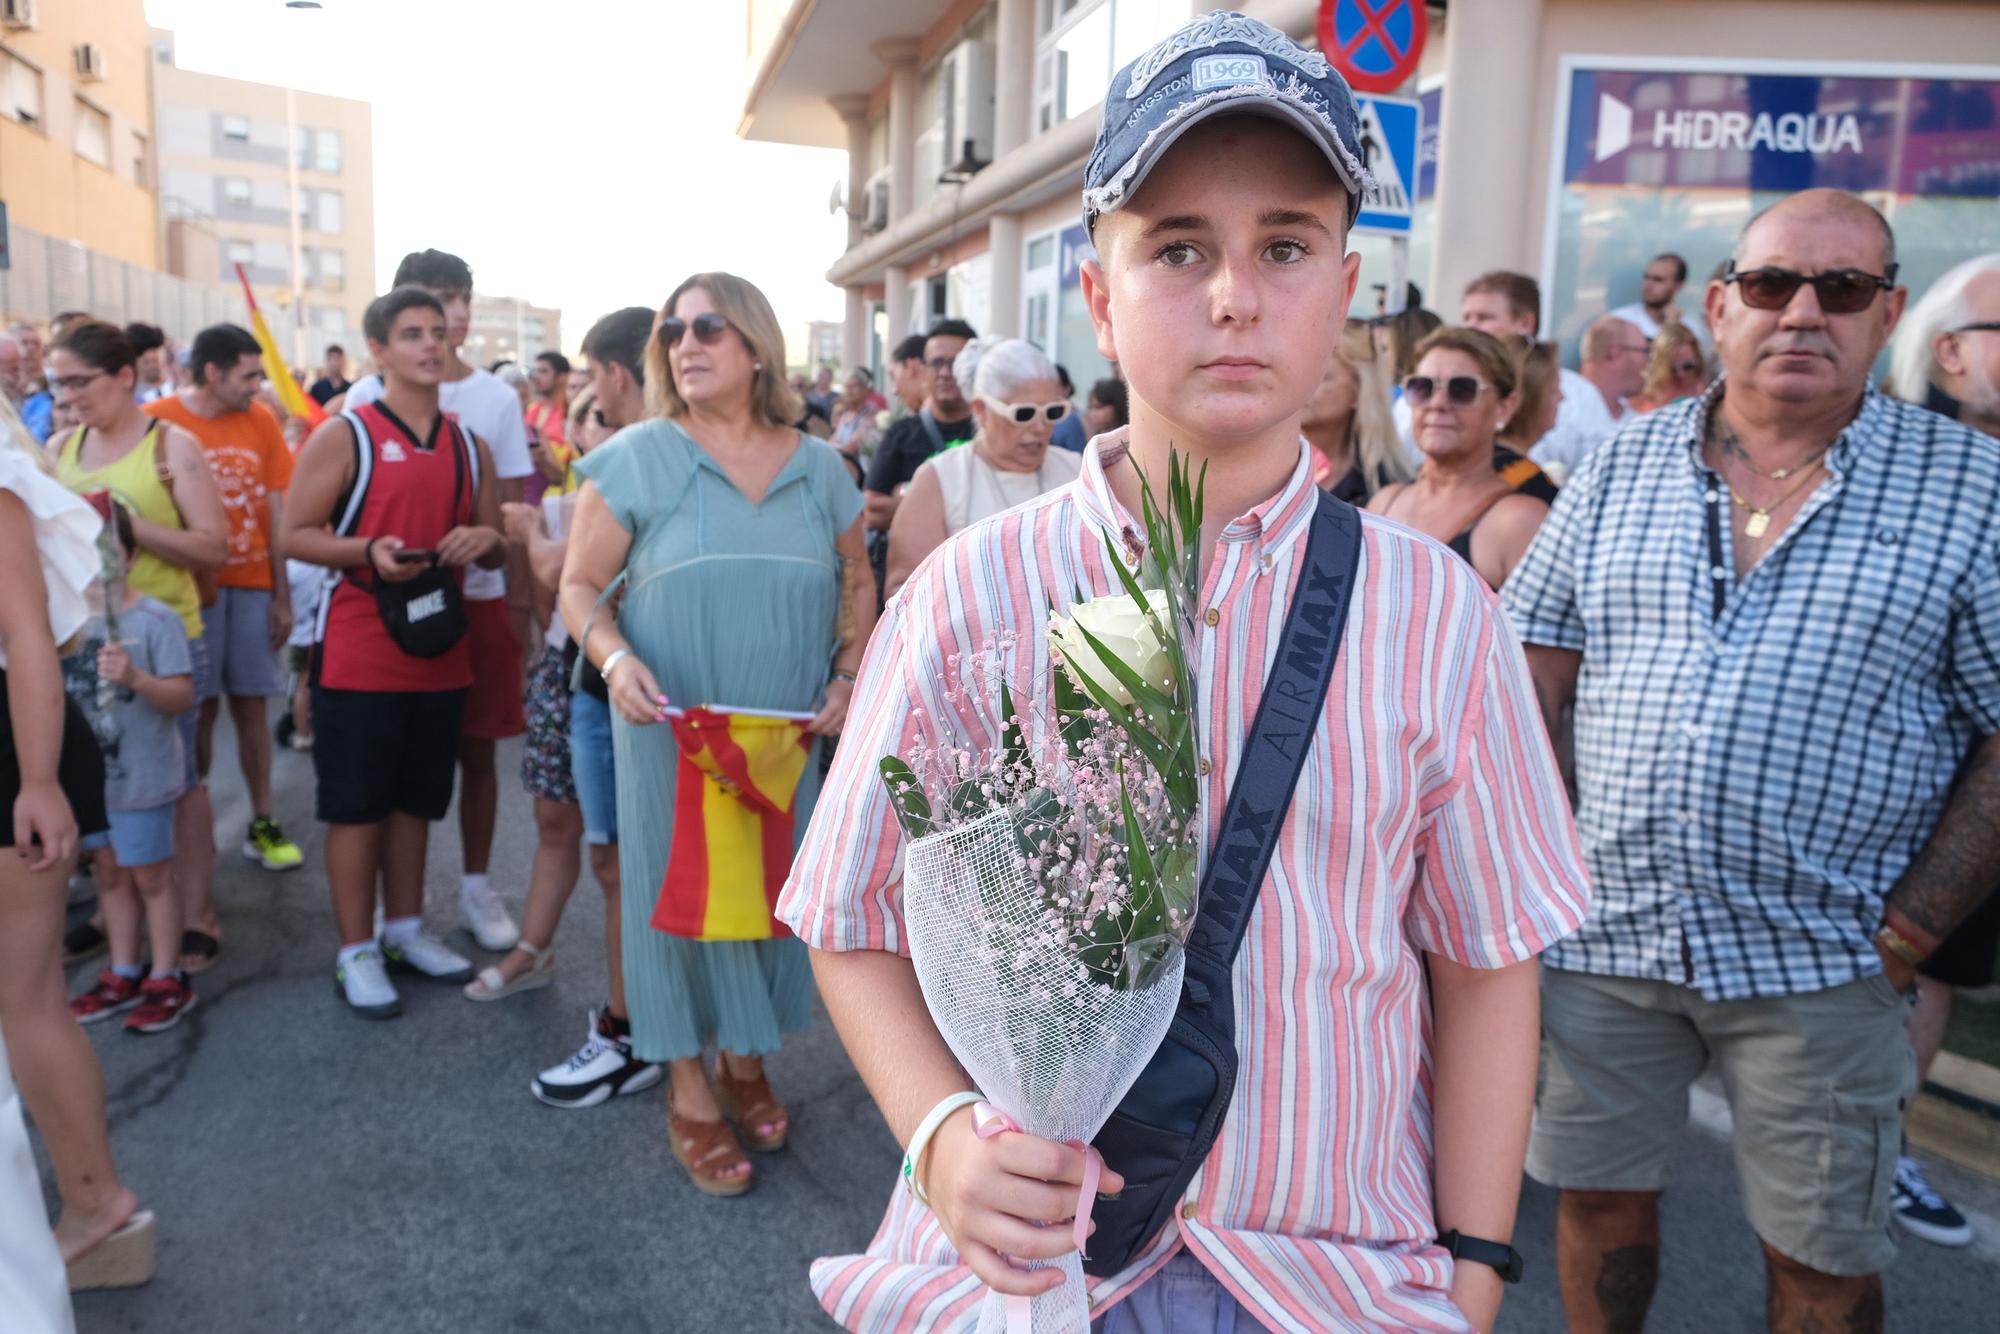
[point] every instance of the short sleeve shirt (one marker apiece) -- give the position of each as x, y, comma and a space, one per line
143, 763
904, 449
246, 451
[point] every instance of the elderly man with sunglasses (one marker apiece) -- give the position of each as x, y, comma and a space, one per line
1776, 608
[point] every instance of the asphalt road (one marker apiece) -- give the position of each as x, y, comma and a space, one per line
315, 1172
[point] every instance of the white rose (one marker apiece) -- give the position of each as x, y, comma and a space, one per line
1124, 630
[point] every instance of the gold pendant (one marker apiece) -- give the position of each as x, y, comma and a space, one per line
1759, 524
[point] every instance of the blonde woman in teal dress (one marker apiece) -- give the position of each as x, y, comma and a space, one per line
745, 583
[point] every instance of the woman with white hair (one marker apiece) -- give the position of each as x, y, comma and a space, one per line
1017, 397
1946, 354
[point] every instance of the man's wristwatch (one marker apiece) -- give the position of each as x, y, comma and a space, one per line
1503, 1260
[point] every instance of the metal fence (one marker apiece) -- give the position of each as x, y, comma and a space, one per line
50, 276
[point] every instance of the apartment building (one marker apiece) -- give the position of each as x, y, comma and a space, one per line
277, 180
76, 157
1571, 139
505, 328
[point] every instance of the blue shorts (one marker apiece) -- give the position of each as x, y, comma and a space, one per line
591, 764
1182, 1298
186, 723
237, 634
140, 838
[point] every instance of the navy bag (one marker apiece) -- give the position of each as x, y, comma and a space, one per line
1163, 1130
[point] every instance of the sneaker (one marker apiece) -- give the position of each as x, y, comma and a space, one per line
481, 913
84, 941
1923, 1211
112, 995
603, 1068
426, 954
269, 848
162, 1002
365, 985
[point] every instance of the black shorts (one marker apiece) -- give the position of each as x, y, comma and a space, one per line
1966, 957
383, 752
79, 771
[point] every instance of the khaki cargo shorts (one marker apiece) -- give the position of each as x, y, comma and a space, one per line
1816, 1082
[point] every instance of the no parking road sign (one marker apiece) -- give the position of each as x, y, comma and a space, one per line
1390, 129
1375, 44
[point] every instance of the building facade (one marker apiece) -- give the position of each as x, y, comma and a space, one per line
505, 328
281, 182
968, 122
76, 154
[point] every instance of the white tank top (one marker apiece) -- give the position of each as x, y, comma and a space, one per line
974, 489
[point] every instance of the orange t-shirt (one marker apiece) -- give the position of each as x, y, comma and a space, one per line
246, 452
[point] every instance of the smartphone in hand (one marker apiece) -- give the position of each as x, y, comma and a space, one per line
415, 556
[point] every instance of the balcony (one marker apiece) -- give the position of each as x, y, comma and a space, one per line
803, 52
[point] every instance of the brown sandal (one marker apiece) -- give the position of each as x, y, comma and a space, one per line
707, 1150
750, 1103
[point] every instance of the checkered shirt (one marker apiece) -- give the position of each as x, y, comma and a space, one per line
1758, 761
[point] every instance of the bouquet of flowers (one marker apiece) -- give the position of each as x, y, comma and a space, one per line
1050, 880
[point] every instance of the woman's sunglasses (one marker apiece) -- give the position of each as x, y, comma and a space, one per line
1839, 291
1461, 391
708, 329
1023, 413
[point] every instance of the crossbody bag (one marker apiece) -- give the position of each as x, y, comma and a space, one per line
425, 615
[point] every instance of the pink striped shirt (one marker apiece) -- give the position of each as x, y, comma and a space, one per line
1432, 818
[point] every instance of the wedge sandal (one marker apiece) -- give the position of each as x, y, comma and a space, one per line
707, 1150
753, 1107
122, 1260
492, 985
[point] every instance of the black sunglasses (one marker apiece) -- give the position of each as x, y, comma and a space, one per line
1839, 291
708, 329
1462, 391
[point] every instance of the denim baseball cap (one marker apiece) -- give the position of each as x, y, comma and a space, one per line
1221, 64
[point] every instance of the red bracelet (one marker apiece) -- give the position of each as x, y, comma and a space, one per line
1921, 939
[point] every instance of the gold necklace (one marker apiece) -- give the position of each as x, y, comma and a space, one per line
1781, 474
1759, 521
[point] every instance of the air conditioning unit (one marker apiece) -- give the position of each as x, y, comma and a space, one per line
965, 97
89, 62
875, 203
17, 14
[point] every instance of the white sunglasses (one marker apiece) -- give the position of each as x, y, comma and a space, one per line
1023, 413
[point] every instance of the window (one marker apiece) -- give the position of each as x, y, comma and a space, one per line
236, 192
21, 88
327, 213
1084, 42
93, 134
332, 270
239, 252
236, 128
141, 159
326, 150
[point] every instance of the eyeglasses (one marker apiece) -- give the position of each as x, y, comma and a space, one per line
69, 384
1023, 413
1839, 291
939, 363
1983, 326
708, 329
1462, 391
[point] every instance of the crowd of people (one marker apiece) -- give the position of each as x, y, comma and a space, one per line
1747, 596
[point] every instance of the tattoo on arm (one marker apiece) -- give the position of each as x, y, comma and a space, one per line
1626, 1278
1960, 864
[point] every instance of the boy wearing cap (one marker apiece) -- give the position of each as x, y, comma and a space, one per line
1385, 991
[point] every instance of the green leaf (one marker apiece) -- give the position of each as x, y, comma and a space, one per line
1133, 590
906, 795
1144, 694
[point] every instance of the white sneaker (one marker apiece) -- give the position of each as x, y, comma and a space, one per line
365, 986
481, 912
602, 1069
426, 954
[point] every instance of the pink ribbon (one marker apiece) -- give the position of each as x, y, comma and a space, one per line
989, 1121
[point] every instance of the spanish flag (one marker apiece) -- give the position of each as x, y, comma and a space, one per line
297, 402
732, 840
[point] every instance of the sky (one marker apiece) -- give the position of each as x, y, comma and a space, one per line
577, 153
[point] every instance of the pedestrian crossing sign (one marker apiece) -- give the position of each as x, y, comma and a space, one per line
1389, 134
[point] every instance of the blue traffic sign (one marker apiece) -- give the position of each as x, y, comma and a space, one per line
1390, 130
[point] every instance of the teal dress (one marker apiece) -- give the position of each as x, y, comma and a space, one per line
727, 603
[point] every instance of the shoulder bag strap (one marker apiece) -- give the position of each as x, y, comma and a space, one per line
931, 429
1280, 738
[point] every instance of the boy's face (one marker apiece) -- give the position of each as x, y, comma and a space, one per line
416, 347
1223, 286
457, 314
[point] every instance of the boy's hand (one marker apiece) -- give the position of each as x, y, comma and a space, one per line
114, 664
382, 555
522, 521
1012, 1196
280, 618
1476, 1291
462, 546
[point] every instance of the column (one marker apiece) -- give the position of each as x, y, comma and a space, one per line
1485, 138
896, 296
1005, 257
900, 55
853, 112
1013, 75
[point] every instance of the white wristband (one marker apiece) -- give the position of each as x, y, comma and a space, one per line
612, 661
921, 1141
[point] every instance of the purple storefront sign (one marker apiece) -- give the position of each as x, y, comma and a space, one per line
1784, 132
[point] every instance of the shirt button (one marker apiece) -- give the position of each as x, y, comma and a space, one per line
1212, 616
1714, 496
1717, 572
1188, 1209
1685, 817
1692, 730
1204, 766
